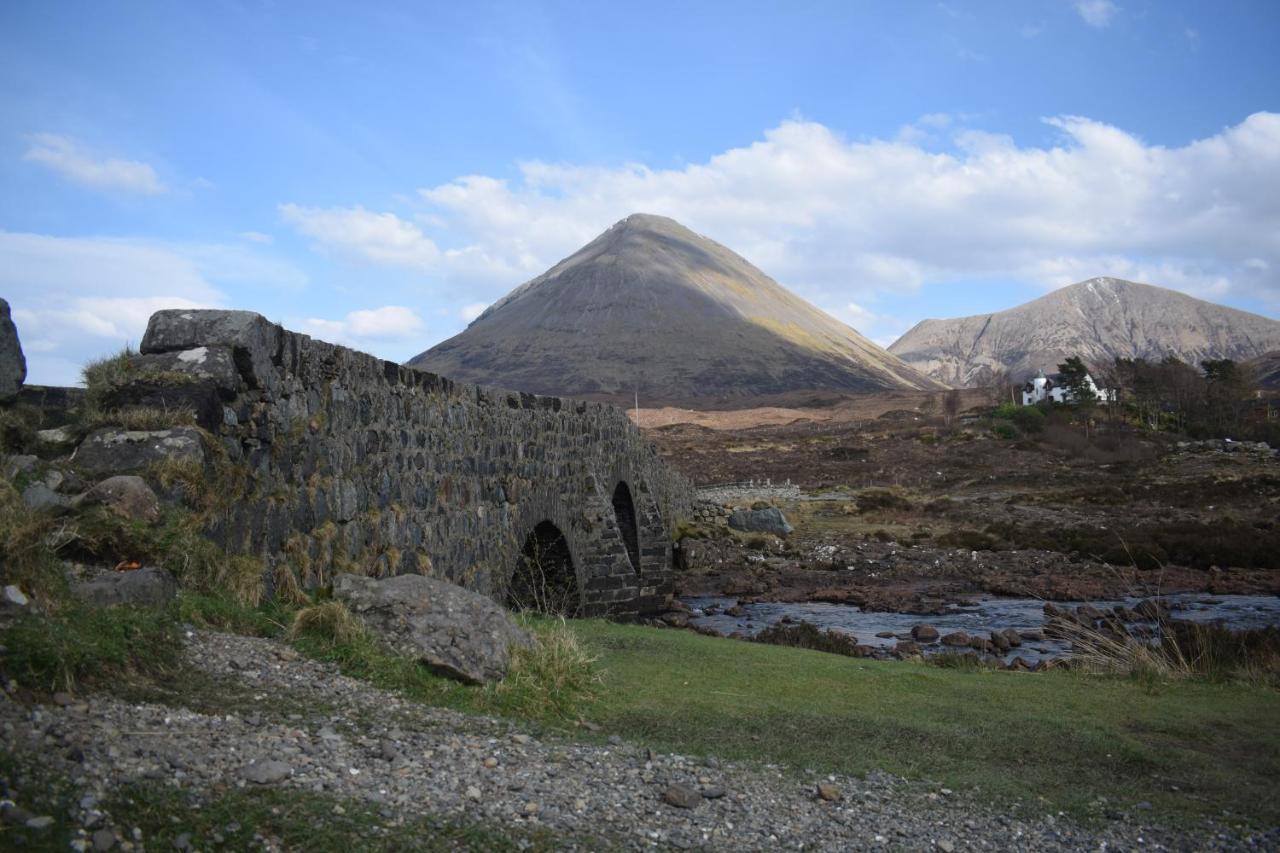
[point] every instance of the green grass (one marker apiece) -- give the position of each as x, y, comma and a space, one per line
1065, 737
86, 646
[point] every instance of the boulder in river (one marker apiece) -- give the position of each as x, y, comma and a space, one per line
924, 634
956, 639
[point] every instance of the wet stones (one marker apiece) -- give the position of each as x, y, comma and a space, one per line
924, 634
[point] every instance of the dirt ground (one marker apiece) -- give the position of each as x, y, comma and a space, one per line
897, 509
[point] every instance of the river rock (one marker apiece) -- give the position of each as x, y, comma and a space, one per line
924, 634
13, 365
117, 451
127, 495
956, 638
682, 797
459, 633
768, 520
149, 586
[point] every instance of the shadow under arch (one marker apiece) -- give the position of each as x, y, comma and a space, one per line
545, 578
624, 511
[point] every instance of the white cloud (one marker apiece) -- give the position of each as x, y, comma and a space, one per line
472, 311
77, 298
370, 326
382, 238
1097, 13
72, 161
841, 219
257, 237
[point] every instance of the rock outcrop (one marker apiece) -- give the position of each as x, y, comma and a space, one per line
767, 520
146, 587
1099, 320
13, 365
457, 632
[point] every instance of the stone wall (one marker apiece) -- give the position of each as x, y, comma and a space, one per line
360, 464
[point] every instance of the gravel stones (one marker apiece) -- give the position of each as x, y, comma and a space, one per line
117, 451
456, 631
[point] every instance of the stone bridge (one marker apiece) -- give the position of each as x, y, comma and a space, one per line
361, 464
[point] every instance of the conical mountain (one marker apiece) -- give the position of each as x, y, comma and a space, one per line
650, 307
1099, 320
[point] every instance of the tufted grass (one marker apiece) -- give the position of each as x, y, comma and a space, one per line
1053, 741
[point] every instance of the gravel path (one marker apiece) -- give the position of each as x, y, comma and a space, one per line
299, 723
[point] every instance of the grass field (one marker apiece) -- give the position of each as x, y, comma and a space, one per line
1189, 748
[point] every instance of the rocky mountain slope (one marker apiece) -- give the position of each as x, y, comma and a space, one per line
651, 307
1267, 368
1099, 320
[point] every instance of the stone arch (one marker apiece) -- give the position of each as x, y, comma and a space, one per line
624, 513
546, 575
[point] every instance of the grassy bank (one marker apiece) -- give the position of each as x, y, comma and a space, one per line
1189, 749
1057, 741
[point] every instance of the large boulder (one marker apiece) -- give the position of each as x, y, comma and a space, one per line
13, 365
456, 632
768, 520
145, 587
255, 342
115, 450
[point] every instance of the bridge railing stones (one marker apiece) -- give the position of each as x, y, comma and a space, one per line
364, 465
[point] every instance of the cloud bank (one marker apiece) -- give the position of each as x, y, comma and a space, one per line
850, 219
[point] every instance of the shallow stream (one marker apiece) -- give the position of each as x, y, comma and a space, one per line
985, 615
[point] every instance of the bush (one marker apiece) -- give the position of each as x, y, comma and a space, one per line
1005, 430
804, 635
879, 500
970, 540
1029, 419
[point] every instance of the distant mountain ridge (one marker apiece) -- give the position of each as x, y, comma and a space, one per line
1099, 320
651, 308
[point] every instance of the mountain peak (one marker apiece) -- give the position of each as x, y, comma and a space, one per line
1099, 319
651, 307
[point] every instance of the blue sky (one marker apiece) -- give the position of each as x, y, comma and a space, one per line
377, 174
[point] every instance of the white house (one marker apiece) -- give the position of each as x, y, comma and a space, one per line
1052, 388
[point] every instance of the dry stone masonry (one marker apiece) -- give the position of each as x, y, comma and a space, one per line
362, 465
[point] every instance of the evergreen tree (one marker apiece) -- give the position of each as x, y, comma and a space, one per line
1075, 376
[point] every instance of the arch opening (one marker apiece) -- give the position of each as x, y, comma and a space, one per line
624, 510
545, 579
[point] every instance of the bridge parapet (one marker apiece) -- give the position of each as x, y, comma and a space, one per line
365, 465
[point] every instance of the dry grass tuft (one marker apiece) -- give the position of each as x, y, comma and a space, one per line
330, 622
553, 678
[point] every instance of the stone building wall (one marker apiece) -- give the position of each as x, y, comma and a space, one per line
364, 465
